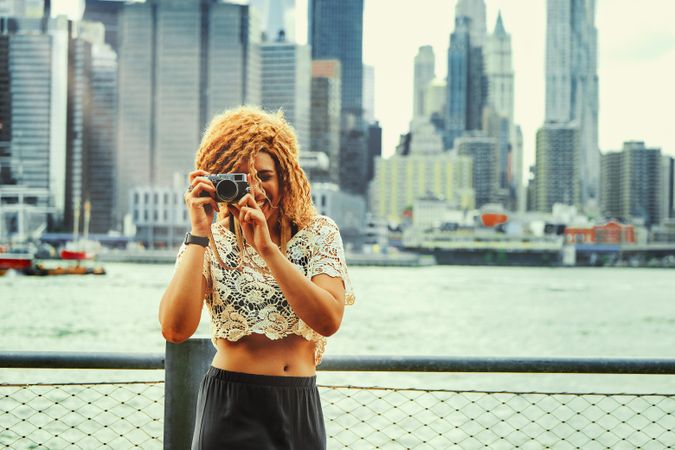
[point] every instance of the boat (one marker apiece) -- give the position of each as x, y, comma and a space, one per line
40, 269
74, 255
16, 261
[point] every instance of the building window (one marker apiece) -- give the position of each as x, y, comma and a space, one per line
323, 200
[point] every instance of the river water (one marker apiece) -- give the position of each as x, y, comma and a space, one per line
439, 310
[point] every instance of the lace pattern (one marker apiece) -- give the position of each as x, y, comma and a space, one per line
249, 300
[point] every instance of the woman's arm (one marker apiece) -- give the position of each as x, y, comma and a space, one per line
319, 302
181, 306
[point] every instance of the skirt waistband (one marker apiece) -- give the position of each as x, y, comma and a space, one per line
261, 380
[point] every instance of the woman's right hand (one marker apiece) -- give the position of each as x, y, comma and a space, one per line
201, 209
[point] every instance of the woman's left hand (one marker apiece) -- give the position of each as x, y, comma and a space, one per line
253, 224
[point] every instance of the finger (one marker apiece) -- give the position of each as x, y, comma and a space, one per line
245, 200
196, 173
252, 214
203, 201
201, 179
248, 200
197, 189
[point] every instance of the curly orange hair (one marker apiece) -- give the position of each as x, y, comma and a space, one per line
240, 134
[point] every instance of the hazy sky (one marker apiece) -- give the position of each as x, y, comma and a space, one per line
636, 63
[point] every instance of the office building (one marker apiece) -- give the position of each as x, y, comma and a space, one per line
557, 166
286, 82
572, 82
325, 113
400, 180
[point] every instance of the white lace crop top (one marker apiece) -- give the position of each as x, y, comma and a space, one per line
249, 300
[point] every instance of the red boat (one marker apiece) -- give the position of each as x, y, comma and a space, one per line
74, 255
17, 261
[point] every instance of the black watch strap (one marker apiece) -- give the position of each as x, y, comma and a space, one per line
199, 240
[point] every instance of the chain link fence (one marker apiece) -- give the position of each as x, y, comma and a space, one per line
123, 415
82, 415
367, 418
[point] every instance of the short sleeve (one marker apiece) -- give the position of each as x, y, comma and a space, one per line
206, 265
327, 255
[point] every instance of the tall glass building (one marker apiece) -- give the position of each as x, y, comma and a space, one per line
336, 32
179, 64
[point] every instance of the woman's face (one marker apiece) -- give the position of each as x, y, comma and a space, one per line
267, 172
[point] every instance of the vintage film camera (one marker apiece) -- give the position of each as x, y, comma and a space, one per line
230, 187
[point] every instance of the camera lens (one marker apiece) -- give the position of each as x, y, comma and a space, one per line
226, 190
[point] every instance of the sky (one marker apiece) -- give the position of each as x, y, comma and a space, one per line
636, 63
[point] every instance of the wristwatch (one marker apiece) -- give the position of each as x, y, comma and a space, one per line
199, 240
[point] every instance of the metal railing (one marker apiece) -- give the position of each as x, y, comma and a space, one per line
158, 414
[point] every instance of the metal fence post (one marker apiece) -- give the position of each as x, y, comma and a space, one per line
185, 365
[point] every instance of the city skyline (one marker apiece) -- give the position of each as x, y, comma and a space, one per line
630, 52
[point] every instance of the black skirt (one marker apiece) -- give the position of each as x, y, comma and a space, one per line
245, 411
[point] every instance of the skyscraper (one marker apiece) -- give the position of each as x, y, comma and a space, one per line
325, 113
500, 98
336, 32
499, 70
475, 10
572, 82
286, 84
483, 151
611, 180
632, 184
179, 64
557, 165
467, 84
100, 167
36, 62
425, 72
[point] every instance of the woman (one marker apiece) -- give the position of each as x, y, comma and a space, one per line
273, 276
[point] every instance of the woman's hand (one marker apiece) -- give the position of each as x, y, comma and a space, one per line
200, 208
253, 224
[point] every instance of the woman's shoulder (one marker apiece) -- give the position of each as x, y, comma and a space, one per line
321, 221
320, 224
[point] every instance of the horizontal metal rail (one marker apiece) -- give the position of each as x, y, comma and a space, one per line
388, 363
635, 366
80, 360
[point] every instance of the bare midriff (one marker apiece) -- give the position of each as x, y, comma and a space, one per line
257, 354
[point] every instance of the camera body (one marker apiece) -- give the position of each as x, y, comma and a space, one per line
230, 187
